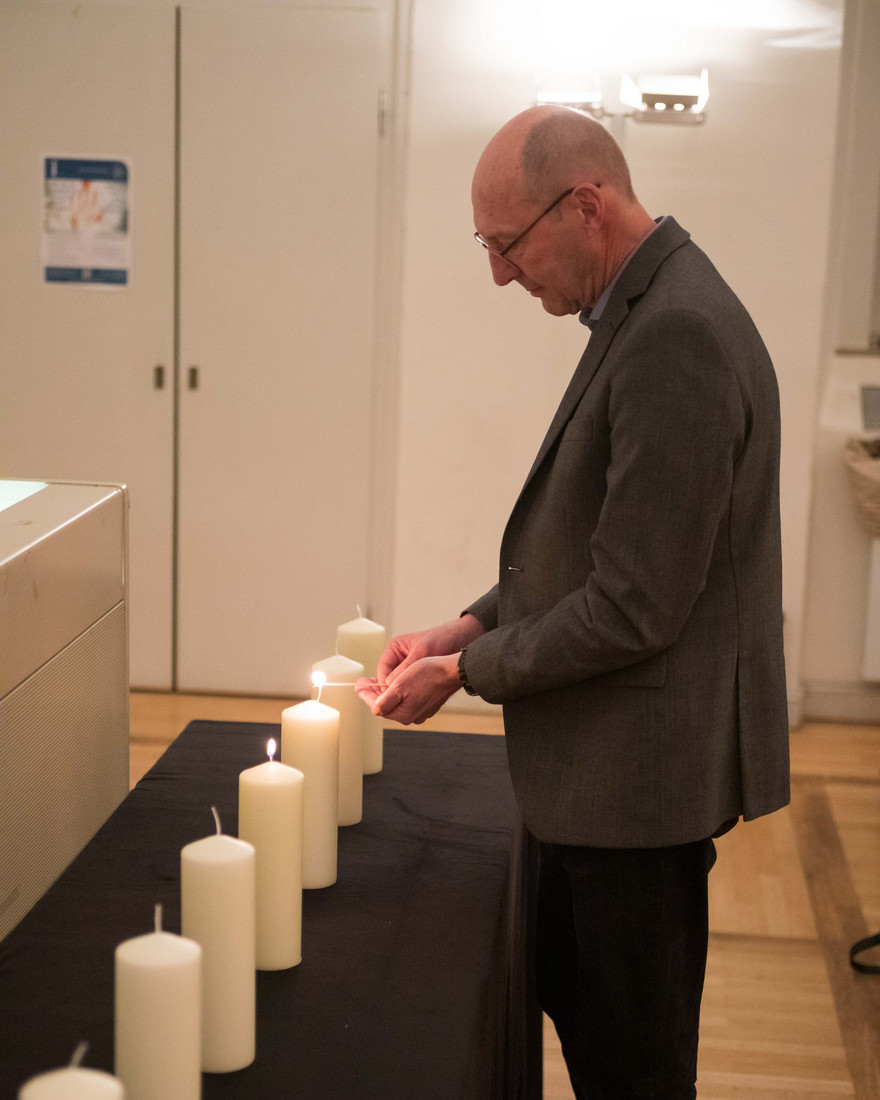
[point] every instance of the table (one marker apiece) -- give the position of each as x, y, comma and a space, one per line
413, 984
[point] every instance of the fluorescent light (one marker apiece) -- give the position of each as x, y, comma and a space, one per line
571, 89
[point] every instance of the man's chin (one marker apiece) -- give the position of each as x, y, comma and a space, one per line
556, 307
553, 304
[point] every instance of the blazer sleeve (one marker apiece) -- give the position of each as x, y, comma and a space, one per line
485, 609
677, 420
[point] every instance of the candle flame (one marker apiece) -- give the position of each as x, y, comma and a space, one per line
319, 678
271, 747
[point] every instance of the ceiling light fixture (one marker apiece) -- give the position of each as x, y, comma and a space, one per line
677, 99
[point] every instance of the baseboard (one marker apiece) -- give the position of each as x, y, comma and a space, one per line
841, 701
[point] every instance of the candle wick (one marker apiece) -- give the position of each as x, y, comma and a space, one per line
216, 819
157, 917
358, 606
78, 1055
319, 678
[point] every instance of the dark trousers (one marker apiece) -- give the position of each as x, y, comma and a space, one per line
622, 936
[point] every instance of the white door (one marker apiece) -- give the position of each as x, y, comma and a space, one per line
88, 81
277, 236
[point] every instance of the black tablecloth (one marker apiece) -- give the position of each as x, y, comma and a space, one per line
413, 984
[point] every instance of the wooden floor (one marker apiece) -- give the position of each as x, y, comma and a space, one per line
784, 1016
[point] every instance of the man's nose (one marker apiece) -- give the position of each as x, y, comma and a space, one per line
503, 271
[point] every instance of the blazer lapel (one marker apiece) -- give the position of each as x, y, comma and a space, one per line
632, 284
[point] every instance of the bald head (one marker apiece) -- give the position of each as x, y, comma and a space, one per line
563, 252
543, 150
564, 147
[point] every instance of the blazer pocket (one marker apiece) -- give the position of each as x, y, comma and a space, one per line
647, 673
579, 430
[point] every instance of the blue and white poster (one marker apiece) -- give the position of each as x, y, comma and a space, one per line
86, 222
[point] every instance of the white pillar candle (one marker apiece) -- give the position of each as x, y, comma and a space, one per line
310, 743
364, 641
157, 1017
73, 1083
218, 911
339, 693
270, 816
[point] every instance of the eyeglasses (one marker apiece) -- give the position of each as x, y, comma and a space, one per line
503, 252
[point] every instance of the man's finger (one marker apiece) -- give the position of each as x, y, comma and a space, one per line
397, 703
368, 690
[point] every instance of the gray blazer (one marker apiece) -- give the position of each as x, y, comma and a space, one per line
635, 635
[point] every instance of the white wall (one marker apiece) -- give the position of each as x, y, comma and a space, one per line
837, 579
482, 369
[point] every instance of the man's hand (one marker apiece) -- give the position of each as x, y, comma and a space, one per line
418, 672
417, 693
439, 641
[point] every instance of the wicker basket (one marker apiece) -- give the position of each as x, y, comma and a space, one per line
862, 460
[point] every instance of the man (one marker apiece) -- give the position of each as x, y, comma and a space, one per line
635, 635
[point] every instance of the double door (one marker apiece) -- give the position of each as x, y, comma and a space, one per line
227, 381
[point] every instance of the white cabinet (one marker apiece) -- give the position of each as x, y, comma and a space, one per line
253, 270
278, 211
77, 398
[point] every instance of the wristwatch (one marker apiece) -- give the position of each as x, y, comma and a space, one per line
462, 675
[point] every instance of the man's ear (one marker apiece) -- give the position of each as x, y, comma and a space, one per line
589, 199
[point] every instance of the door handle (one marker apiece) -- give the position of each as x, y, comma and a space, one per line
158, 377
192, 378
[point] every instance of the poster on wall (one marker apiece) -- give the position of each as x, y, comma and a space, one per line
86, 214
